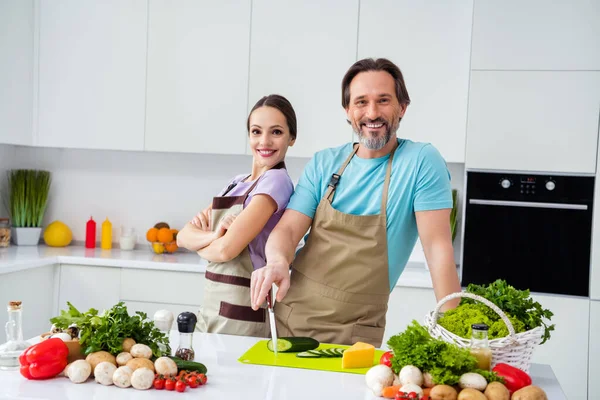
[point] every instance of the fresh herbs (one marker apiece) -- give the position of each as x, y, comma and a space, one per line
516, 303
108, 330
444, 361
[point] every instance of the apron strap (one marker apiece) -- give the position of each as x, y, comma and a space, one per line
386, 184
336, 177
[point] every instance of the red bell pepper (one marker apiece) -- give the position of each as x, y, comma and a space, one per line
45, 359
514, 378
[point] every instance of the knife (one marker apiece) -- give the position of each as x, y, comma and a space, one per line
270, 305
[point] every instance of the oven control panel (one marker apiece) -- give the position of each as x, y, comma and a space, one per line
528, 184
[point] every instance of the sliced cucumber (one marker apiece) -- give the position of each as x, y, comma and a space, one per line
293, 344
322, 353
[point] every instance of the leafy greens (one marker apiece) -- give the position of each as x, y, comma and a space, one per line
108, 330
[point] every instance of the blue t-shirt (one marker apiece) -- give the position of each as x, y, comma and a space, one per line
420, 181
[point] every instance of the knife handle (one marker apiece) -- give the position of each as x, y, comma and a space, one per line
270, 299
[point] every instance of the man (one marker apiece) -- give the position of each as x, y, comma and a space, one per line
365, 205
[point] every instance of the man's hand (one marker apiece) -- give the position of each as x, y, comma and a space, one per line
202, 219
262, 281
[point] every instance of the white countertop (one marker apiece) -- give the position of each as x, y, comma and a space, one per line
228, 378
19, 258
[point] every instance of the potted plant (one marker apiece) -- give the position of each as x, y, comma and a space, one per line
28, 197
453, 213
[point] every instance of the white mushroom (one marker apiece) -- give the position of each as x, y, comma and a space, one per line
411, 374
79, 371
472, 380
123, 358
378, 377
142, 378
103, 372
411, 387
141, 351
428, 380
122, 377
165, 366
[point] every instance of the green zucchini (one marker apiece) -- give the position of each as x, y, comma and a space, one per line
293, 344
322, 353
189, 365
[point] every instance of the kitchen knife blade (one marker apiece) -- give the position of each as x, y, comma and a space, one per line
271, 304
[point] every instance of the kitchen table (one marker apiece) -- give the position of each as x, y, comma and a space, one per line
230, 379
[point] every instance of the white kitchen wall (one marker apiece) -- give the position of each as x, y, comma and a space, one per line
7, 157
138, 189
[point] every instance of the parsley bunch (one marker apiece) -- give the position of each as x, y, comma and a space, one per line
444, 361
107, 331
516, 303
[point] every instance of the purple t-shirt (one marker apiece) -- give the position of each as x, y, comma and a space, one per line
275, 183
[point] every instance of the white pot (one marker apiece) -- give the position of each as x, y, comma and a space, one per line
26, 236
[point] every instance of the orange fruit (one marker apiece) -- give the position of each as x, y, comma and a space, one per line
171, 247
158, 248
165, 235
152, 235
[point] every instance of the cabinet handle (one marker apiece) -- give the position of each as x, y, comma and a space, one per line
557, 206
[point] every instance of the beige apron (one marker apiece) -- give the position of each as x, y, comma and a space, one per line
226, 307
339, 287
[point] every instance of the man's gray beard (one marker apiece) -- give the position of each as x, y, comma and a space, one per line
376, 143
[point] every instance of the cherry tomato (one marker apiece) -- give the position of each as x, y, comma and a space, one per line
386, 358
413, 395
192, 381
180, 386
202, 379
170, 384
159, 383
401, 396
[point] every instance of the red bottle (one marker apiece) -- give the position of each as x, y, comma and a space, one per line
90, 234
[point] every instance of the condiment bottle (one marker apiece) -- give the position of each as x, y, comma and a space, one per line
14, 346
186, 323
106, 239
90, 234
480, 346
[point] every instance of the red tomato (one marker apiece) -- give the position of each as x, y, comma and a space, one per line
192, 381
413, 395
170, 384
180, 386
159, 383
401, 396
386, 358
202, 379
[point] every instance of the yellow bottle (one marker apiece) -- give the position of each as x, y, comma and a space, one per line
106, 240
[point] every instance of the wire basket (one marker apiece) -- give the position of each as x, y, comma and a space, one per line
515, 349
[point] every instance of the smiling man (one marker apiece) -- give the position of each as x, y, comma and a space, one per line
366, 204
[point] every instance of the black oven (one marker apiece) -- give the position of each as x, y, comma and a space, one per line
532, 230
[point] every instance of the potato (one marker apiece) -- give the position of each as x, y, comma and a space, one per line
530, 392
128, 344
123, 358
140, 363
141, 351
496, 391
443, 392
165, 366
100, 356
471, 394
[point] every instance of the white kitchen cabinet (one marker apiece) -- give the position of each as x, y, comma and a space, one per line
543, 121
594, 361
35, 289
567, 349
165, 287
16, 71
431, 43
536, 35
595, 257
301, 50
92, 74
88, 287
197, 88
407, 304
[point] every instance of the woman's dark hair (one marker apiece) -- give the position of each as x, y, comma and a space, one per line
283, 105
372, 64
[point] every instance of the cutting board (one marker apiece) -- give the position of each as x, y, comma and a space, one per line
259, 354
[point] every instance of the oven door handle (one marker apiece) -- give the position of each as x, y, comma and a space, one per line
507, 203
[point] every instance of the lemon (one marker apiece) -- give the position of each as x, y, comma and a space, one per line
58, 234
158, 248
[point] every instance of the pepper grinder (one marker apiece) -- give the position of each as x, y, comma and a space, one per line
186, 323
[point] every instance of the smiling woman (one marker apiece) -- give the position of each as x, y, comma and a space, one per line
232, 232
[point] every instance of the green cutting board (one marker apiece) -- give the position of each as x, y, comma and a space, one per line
259, 354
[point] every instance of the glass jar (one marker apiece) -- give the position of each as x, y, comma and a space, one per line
186, 323
14, 346
480, 347
127, 239
4, 232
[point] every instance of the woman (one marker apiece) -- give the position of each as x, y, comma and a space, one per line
231, 233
